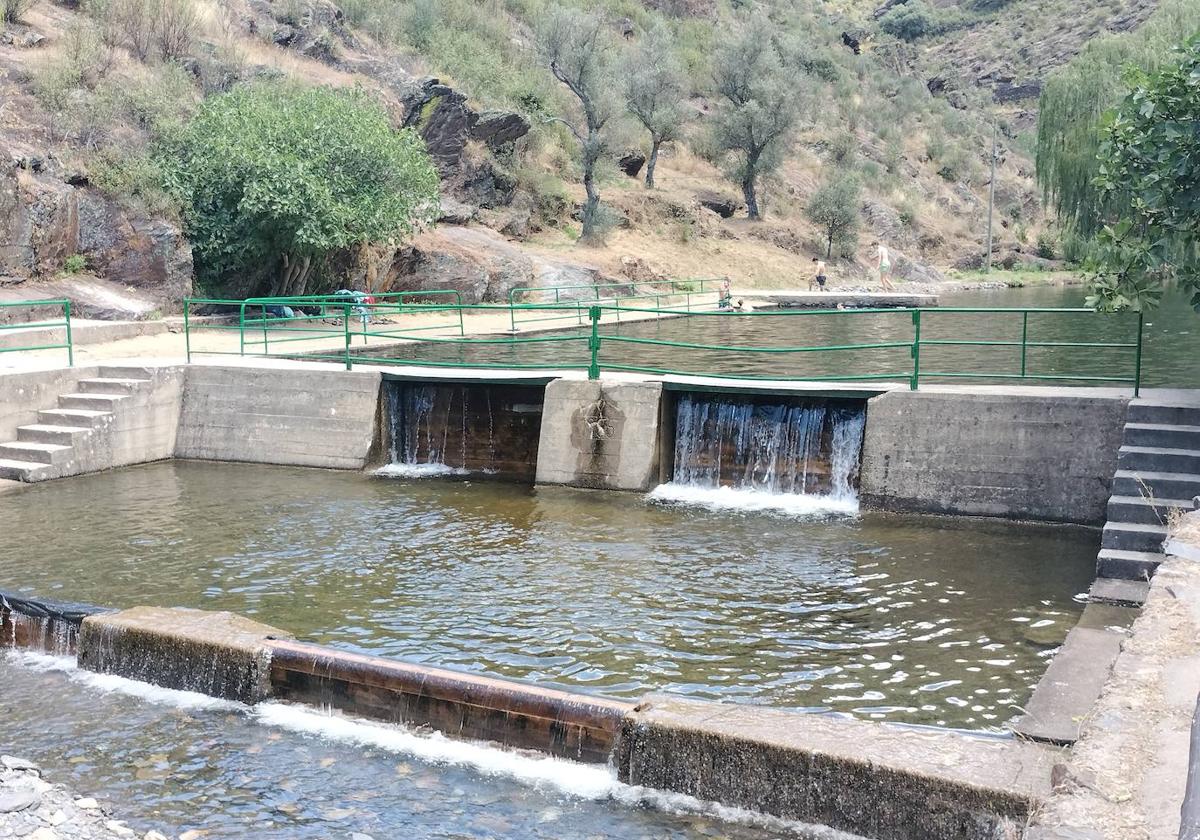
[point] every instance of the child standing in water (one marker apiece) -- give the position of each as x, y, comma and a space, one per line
885, 267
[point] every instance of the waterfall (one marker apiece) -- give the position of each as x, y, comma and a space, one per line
439, 430
48, 634
802, 456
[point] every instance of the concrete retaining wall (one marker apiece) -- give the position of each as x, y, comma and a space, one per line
600, 434
1048, 457
297, 417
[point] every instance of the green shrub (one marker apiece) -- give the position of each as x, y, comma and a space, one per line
74, 264
1045, 245
917, 19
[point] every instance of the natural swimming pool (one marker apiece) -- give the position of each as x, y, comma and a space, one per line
913, 619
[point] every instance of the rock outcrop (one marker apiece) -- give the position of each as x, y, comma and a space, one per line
44, 220
474, 261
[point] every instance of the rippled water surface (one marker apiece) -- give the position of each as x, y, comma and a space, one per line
175, 762
1172, 340
915, 619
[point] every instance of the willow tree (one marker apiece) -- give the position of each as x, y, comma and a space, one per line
1073, 102
274, 176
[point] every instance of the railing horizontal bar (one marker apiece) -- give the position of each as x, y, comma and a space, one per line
1047, 376
715, 375
34, 347
33, 325
968, 343
738, 349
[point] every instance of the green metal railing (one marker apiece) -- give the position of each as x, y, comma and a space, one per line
580, 298
64, 323
913, 336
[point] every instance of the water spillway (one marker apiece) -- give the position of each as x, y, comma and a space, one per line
773, 445
441, 428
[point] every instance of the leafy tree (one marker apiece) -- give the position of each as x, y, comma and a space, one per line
1149, 163
653, 92
760, 105
578, 48
272, 176
1073, 101
834, 208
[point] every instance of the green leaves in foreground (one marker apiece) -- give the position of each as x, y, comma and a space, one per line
273, 176
1150, 160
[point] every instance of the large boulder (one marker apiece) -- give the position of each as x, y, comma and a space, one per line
723, 205
476, 262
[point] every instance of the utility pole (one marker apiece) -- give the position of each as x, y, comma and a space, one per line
987, 263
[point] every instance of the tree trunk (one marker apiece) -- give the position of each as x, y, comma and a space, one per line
750, 185
750, 194
590, 235
829, 245
654, 144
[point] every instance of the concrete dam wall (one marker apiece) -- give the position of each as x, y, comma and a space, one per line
1024, 453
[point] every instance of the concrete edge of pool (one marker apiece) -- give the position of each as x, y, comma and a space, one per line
873, 779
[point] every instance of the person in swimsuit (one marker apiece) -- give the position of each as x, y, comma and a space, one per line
885, 267
819, 275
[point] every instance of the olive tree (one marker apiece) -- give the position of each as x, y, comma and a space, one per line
759, 108
654, 91
273, 176
579, 49
834, 209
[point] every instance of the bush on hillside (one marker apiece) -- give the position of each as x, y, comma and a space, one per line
917, 19
274, 176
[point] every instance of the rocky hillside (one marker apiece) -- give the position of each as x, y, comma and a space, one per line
83, 100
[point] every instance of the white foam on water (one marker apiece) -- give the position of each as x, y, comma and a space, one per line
190, 700
748, 500
581, 780
419, 471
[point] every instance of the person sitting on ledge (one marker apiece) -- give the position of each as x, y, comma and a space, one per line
724, 295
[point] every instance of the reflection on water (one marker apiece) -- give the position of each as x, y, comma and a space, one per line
175, 762
915, 619
1172, 342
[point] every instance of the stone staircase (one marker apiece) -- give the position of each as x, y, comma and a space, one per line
1158, 469
54, 446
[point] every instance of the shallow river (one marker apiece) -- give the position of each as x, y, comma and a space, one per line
174, 762
923, 620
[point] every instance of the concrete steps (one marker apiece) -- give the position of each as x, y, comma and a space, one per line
1162, 434
47, 449
1156, 458
1133, 536
1158, 469
1138, 509
1121, 593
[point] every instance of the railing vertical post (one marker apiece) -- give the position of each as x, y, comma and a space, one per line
594, 343
346, 330
187, 335
70, 344
266, 345
1024, 339
242, 330
916, 350
1137, 357
462, 330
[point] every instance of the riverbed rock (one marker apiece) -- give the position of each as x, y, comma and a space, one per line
12, 762
19, 800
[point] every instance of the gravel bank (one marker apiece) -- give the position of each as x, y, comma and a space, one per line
33, 809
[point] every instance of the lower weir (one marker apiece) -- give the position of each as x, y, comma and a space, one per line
769, 444
475, 428
879, 781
